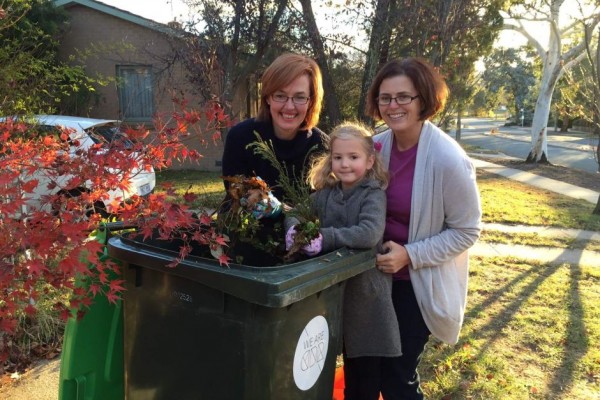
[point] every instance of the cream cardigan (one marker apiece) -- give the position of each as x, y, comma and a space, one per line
444, 223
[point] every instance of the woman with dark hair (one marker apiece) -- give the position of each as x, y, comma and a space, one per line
433, 217
290, 104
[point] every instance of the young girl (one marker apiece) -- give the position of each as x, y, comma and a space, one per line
350, 201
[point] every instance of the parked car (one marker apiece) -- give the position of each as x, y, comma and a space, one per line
83, 134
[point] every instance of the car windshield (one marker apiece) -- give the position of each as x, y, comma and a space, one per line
109, 134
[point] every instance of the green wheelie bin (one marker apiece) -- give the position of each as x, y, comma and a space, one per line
91, 366
203, 331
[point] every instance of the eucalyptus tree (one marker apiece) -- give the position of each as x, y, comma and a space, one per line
558, 55
512, 72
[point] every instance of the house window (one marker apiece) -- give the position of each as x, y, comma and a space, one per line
136, 100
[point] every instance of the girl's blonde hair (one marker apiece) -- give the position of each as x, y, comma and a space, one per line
321, 175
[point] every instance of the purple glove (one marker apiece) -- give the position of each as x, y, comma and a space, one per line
289, 237
314, 247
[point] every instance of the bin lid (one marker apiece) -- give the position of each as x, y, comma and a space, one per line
276, 286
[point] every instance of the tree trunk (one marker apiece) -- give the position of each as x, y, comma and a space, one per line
598, 152
458, 125
596, 118
378, 37
597, 132
234, 76
229, 56
565, 123
539, 125
332, 104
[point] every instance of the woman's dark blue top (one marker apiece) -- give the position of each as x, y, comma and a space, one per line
295, 154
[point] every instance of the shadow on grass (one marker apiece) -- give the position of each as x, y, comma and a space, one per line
576, 343
497, 325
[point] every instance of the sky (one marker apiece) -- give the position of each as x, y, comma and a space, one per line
157, 10
168, 10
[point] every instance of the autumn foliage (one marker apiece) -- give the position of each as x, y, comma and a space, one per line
50, 247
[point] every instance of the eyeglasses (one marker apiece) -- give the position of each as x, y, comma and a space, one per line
400, 100
282, 98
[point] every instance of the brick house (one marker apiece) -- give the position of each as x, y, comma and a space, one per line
135, 55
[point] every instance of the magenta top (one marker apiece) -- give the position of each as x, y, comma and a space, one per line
399, 193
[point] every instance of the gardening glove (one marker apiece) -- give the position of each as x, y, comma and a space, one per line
314, 247
289, 237
267, 208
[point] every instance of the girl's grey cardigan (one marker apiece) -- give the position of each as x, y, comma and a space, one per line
356, 218
445, 222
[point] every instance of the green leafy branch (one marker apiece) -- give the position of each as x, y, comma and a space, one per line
296, 193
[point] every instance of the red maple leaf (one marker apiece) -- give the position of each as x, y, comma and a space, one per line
190, 197
62, 253
8, 325
30, 310
112, 297
116, 285
205, 219
36, 267
222, 240
224, 260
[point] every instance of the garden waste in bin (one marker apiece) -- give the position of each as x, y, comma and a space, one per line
203, 331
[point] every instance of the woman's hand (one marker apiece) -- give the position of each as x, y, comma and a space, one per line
394, 258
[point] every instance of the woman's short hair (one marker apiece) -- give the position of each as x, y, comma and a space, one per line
428, 82
281, 73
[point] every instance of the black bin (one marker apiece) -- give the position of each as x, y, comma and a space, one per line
203, 331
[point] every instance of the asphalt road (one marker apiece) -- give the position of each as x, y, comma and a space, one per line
573, 149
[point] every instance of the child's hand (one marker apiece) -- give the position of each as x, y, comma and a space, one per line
289, 237
314, 247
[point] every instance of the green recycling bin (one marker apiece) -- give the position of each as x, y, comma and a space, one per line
91, 364
203, 331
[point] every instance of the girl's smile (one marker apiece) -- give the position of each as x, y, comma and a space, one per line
349, 161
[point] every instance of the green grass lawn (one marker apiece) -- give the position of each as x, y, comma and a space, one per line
208, 186
531, 331
503, 200
510, 202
